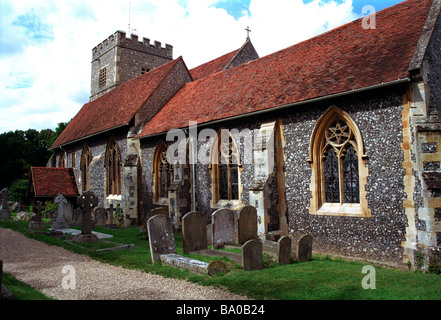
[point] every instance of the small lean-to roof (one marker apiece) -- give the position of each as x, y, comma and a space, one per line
49, 182
341, 60
116, 108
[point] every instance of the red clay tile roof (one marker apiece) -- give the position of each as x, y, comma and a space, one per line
48, 182
116, 108
212, 66
340, 60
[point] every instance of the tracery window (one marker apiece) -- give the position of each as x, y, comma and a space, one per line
340, 164
112, 164
339, 172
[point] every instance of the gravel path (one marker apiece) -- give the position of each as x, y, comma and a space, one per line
41, 266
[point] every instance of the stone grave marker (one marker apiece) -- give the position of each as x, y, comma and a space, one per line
5, 213
36, 222
284, 250
60, 221
252, 258
222, 222
160, 210
247, 224
77, 217
304, 248
161, 236
87, 201
194, 232
110, 217
100, 216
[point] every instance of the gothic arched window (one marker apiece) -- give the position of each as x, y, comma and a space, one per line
225, 170
163, 172
112, 164
84, 166
339, 173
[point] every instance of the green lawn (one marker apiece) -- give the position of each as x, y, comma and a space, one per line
319, 279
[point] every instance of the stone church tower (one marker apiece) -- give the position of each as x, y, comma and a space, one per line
119, 59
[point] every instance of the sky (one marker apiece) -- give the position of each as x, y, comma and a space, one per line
46, 45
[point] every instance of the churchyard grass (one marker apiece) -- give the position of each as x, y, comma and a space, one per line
322, 278
21, 290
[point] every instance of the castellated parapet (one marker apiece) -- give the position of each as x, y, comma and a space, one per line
119, 39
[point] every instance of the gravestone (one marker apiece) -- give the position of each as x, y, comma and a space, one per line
304, 248
60, 221
222, 222
247, 224
100, 216
5, 213
161, 236
77, 217
252, 258
194, 232
36, 222
110, 217
87, 201
284, 250
161, 210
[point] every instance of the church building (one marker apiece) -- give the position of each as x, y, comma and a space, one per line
338, 136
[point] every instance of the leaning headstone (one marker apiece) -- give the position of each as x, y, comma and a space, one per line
252, 258
60, 221
87, 201
161, 236
36, 222
100, 216
5, 213
284, 250
247, 224
194, 232
304, 248
222, 222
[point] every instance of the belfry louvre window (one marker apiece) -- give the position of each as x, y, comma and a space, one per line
102, 77
339, 173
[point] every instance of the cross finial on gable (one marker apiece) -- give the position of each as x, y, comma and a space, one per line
248, 32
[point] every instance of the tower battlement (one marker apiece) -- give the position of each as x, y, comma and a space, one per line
120, 39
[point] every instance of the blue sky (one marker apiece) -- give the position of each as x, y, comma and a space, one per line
45, 45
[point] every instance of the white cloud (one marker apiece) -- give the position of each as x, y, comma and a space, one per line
46, 45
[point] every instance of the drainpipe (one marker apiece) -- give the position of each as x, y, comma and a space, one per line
193, 158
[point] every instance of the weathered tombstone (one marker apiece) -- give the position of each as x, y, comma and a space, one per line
304, 248
36, 222
100, 216
247, 224
284, 250
87, 201
194, 232
110, 217
161, 210
60, 221
161, 237
68, 212
77, 217
252, 258
5, 213
222, 222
